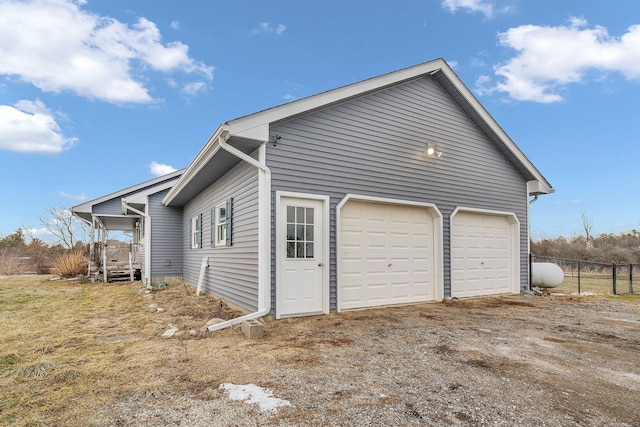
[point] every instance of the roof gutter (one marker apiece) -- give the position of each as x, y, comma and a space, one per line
147, 237
264, 236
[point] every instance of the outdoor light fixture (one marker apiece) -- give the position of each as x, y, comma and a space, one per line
432, 153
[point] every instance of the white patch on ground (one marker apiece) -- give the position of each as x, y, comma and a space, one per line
251, 393
585, 294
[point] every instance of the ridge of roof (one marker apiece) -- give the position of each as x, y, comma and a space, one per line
83, 207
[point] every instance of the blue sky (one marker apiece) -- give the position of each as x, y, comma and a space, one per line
96, 96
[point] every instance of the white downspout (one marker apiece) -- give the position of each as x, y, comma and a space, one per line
532, 201
264, 231
147, 238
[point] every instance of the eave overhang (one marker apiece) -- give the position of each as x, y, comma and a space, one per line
211, 163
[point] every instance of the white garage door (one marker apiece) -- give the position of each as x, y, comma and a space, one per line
386, 254
482, 254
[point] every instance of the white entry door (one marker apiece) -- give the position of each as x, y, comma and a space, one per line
300, 256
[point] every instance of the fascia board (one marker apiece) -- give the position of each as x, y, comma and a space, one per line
204, 156
141, 197
256, 126
545, 186
537, 188
87, 206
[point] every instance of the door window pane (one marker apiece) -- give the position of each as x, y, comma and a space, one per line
309, 250
300, 235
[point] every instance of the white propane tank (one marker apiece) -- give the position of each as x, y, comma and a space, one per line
546, 274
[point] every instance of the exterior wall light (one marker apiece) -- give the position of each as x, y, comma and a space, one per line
432, 153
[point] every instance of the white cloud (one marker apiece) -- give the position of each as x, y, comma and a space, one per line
485, 7
550, 58
29, 127
268, 28
79, 197
175, 25
293, 89
57, 46
159, 169
193, 88
38, 232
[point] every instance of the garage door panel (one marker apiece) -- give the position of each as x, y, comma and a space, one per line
392, 246
482, 254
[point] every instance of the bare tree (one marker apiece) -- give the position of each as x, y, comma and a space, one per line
65, 227
587, 224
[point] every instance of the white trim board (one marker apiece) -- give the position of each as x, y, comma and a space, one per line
280, 237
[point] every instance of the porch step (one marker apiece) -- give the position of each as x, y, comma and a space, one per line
118, 276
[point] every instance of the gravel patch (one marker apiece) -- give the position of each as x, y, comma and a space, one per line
496, 361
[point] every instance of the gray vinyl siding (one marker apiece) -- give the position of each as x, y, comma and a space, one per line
233, 270
375, 145
166, 237
141, 251
109, 207
113, 206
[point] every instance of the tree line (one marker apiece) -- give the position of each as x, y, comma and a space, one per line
623, 248
23, 253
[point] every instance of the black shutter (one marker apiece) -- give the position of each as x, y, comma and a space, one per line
200, 228
213, 227
229, 221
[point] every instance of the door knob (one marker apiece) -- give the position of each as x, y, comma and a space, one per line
320, 264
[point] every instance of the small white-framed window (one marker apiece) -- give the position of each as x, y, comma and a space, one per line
221, 224
196, 232
221, 220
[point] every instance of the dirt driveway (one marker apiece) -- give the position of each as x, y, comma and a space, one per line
93, 355
513, 360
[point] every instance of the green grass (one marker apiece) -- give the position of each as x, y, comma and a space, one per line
601, 284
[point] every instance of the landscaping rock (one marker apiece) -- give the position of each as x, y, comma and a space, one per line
153, 307
169, 333
213, 321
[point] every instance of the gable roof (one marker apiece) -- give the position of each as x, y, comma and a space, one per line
255, 127
152, 186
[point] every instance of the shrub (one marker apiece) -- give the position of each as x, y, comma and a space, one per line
70, 264
9, 262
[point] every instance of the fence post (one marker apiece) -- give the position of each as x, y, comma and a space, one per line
579, 277
530, 273
631, 277
613, 269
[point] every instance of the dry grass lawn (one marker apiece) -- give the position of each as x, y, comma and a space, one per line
68, 348
75, 354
